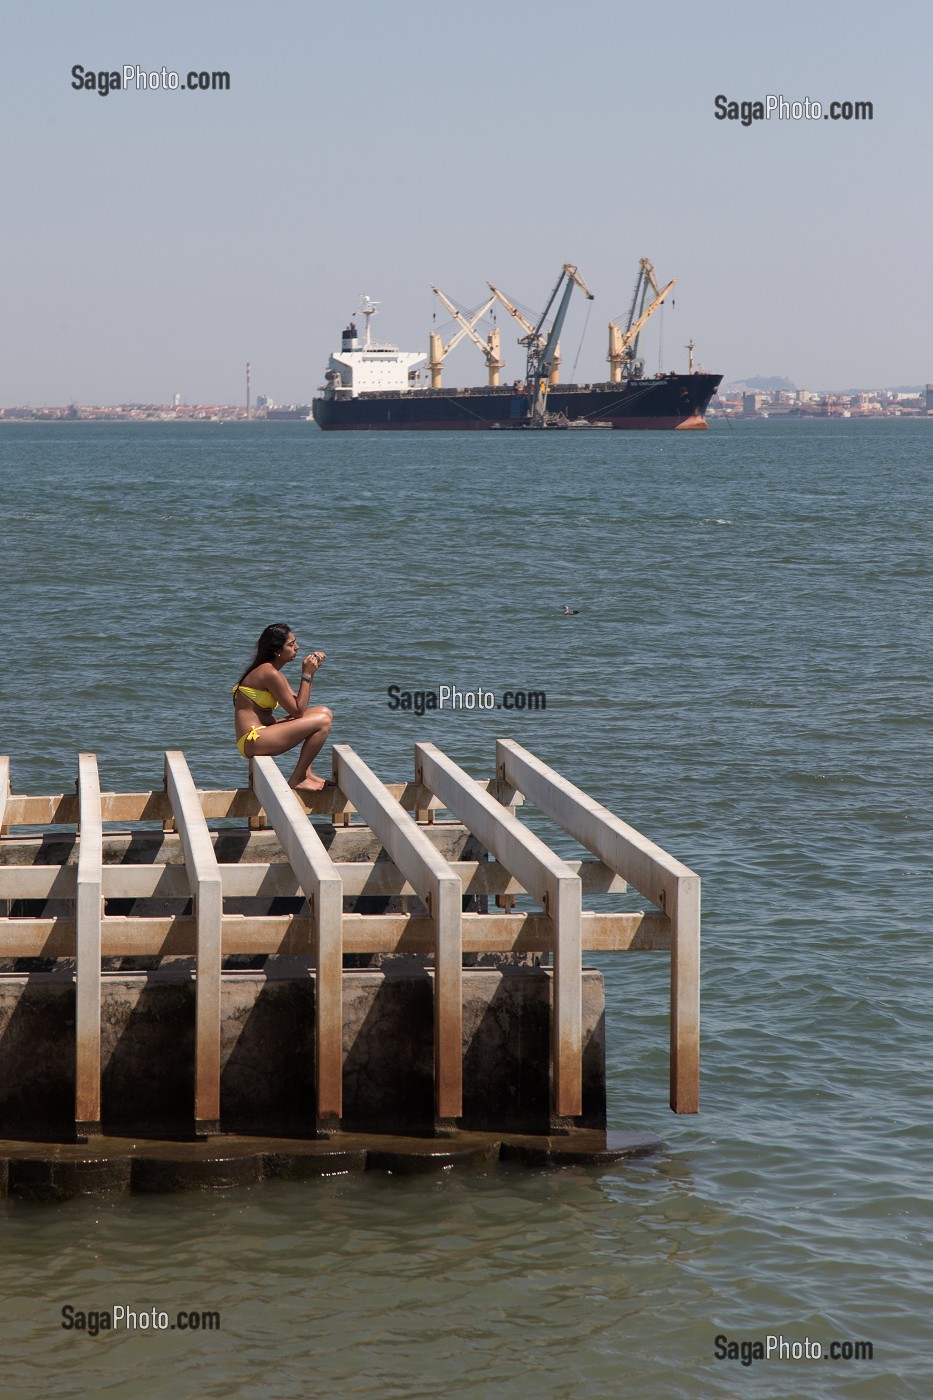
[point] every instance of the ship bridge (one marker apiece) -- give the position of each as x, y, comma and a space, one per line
369, 366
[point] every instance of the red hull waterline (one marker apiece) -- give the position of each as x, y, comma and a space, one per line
693, 424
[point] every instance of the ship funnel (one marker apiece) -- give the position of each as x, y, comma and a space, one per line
350, 338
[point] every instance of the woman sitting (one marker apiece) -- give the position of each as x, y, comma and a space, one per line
262, 688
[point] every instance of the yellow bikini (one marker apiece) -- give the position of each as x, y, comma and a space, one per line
263, 700
253, 733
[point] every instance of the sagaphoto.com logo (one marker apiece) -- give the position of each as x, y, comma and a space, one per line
130, 77
450, 697
748, 110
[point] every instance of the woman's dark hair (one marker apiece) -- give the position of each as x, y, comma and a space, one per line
271, 640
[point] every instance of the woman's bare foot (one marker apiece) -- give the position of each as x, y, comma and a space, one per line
310, 783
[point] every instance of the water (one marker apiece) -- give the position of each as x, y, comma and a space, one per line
747, 682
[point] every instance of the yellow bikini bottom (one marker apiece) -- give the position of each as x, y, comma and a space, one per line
253, 733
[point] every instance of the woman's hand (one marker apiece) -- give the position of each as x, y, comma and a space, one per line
312, 662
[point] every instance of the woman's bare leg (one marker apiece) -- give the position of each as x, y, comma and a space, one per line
310, 731
302, 777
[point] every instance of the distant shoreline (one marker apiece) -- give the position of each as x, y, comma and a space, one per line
155, 422
715, 417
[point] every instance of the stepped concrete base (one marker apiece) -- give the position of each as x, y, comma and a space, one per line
52, 1172
267, 1051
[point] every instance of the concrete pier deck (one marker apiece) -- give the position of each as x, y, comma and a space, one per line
375, 958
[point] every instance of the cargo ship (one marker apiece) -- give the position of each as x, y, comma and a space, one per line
373, 386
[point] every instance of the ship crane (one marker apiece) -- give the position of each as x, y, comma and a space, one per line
489, 347
623, 346
543, 352
526, 326
439, 351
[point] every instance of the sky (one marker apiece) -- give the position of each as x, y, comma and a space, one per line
154, 241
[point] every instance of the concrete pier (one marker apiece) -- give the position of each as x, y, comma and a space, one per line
404, 959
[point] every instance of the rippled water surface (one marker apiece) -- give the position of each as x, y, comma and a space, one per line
747, 682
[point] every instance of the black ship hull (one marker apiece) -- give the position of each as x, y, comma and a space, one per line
669, 401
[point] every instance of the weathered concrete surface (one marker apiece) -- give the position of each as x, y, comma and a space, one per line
580, 1149
51, 1172
267, 1051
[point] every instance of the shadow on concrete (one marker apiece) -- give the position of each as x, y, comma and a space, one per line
506, 1059
388, 1074
267, 1058
37, 1061
147, 1055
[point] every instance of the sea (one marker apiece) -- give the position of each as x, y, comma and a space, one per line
746, 680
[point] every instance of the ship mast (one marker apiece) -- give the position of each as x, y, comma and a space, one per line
369, 308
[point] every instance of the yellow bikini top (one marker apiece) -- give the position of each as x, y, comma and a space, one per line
263, 698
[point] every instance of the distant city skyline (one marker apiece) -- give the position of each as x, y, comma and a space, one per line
769, 399
262, 401
156, 240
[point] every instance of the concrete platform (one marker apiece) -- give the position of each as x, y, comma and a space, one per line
49, 1172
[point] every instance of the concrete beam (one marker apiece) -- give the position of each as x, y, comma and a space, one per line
439, 887
207, 894
249, 879
88, 908
4, 791
672, 886
293, 935
62, 808
322, 887
545, 876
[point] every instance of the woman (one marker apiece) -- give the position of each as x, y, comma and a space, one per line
262, 688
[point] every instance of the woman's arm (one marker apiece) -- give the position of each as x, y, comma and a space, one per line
294, 703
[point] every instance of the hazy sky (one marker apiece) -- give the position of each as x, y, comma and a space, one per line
155, 241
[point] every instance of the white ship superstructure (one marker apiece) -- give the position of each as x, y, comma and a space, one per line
369, 366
